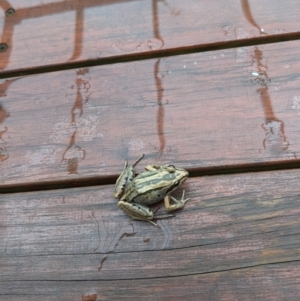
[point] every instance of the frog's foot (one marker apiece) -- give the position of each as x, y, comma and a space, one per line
161, 216
178, 204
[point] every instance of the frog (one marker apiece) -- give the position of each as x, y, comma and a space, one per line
136, 193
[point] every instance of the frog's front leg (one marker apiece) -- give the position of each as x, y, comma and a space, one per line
178, 204
126, 177
140, 212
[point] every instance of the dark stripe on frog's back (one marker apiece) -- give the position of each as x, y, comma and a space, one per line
150, 179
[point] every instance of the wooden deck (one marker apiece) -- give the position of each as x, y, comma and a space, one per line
210, 86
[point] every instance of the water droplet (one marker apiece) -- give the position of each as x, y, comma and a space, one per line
296, 103
255, 73
139, 47
40, 100
277, 87
116, 47
104, 83
42, 155
175, 12
241, 33
154, 44
226, 30
136, 145
184, 66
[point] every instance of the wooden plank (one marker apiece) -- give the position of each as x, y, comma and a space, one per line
269, 282
237, 231
207, 110
231, 222
73, 30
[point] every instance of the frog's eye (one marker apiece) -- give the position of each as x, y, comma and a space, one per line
176, 183
170, 168
173, 186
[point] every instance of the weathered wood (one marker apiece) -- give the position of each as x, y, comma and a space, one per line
237, 238
207, 110
270, 282
231, 222
75, 30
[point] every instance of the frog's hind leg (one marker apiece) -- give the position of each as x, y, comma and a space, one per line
125, 178
121, 182
152, 167
140, 212
136, 211
178, 204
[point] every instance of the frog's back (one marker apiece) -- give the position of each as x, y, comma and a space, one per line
147, 188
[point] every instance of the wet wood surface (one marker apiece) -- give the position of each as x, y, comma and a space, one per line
75, 30
203, 111
212, 87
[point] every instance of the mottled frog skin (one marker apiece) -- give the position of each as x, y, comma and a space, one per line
135, 194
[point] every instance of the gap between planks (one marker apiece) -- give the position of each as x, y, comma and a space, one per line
154, 54
111, 179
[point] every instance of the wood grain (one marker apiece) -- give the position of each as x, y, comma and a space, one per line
73, 30
236, 108
269, 282
208, 110
238, 232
